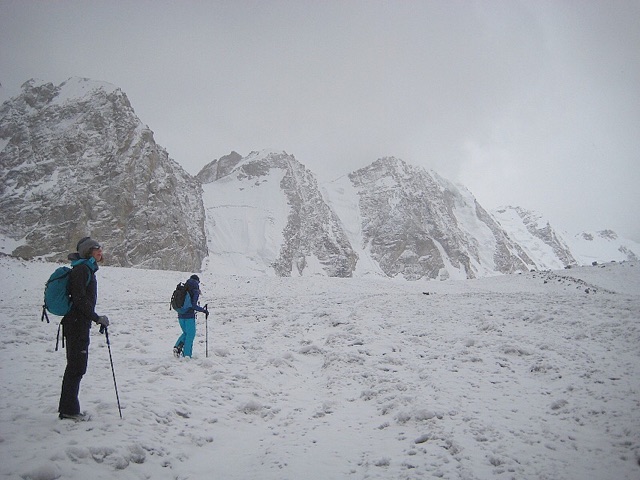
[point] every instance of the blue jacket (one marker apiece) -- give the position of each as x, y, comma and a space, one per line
193, 287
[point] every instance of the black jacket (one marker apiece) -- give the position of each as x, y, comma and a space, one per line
83, 288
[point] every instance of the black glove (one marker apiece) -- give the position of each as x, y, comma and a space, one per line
206, 311
103, 321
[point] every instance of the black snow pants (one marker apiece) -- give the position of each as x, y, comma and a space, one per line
77, 345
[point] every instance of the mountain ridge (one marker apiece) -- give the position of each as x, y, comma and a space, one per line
78, 152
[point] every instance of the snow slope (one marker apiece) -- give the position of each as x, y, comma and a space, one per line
604, 245
535, 235
517, 376
245, 221
343, 199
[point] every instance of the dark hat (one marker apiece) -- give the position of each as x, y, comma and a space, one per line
195, 277
85, 245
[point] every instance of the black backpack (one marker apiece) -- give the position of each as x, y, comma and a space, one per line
178, 297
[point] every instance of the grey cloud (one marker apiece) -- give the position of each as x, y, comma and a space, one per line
532, 103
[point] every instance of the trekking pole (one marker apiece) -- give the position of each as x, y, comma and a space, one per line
206, 330
106, 334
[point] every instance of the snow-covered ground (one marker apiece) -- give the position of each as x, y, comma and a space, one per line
512, 377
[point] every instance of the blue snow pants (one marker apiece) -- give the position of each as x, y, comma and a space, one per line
188, 326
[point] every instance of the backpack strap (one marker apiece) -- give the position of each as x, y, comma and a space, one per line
91, 273
58, 337
44, 314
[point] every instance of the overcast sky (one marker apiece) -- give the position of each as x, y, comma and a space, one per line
529, 103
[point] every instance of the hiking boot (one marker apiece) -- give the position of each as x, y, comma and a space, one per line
77, 417
177, 352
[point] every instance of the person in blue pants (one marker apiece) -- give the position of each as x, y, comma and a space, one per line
187, 320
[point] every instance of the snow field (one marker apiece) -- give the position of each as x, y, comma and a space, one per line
505, 377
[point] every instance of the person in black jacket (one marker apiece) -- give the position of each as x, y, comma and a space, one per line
76, 324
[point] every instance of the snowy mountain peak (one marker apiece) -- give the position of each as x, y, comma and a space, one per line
218, 168
604, 246
536, 236
528, 217
387, 169
413, 224
38, 93
259, 163
552, 249
78, 152
266, 215
599, 235
390, 218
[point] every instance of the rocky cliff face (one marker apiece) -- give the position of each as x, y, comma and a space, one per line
530, 229
75, 160
219, 168
415, 224
267, 207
